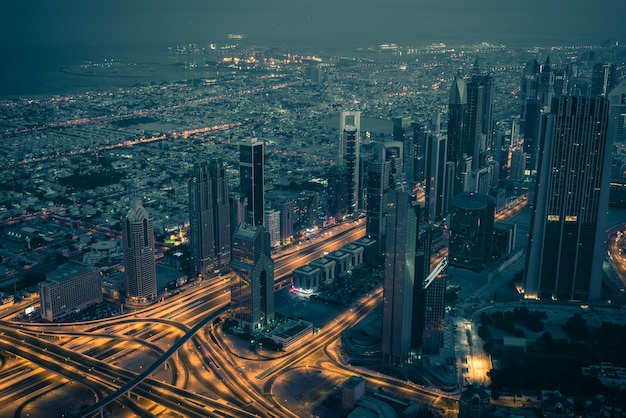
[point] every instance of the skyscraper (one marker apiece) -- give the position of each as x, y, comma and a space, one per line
252, 286
139, 264
399, 277
457, 110
604, 78
617, 114
349, 154
471, 230
209, 218
378, 185
251, 179
566, 240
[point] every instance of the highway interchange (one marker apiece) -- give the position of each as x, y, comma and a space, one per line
169, 358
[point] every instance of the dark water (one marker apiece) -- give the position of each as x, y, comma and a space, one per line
31, 71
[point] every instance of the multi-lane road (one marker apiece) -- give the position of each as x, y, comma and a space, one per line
166, 355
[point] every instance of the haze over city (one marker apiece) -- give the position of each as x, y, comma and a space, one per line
328, 209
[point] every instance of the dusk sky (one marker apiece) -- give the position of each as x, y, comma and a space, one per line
362, 22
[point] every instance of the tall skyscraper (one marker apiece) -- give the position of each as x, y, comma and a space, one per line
471, 230
251, 178
439, 177
349, 154
139, 264
566, 240
252, 286
238, 208
209, 218
457, 117
617, 114
399, 277
378, 185
337, 196
603, 79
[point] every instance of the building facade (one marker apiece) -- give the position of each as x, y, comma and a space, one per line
399, 277
252, 286
567, 231
73, 286
209, 218
139, 263
471, 231
251, 179
349, 155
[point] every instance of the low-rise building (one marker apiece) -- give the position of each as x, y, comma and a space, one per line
343, 261
327, 268
307, 278
292, 334
356, 252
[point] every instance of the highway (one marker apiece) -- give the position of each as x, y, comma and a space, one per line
88, 352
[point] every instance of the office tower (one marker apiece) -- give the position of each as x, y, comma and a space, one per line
73, 286
378, 185
238, 208
432, 298
532, 131
272, 225
307, 204
473, 143
617, 114
529, 87
337, 192
603, 79
251, 179
139, 264
438, 178
457, 117
518, 165
399, 277
209, 218
545, 84
419, 155
287, 219
394, 151
478, 135
252, 286
349, 154
567, 231
471, 231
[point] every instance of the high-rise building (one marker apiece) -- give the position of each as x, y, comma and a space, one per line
139, 263
471, 231
378, 185
457, 117
532, 132
272, 225
617, 114
566, 240
431, 300
603, 79
252, 286
238, 208
209, 218
399, 277
438, 176
251, 184
349, 154
337, 195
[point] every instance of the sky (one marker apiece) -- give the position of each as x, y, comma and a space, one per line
358, 23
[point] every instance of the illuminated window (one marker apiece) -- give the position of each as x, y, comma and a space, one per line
553, 217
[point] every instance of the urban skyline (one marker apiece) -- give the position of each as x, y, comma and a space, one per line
306, 208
